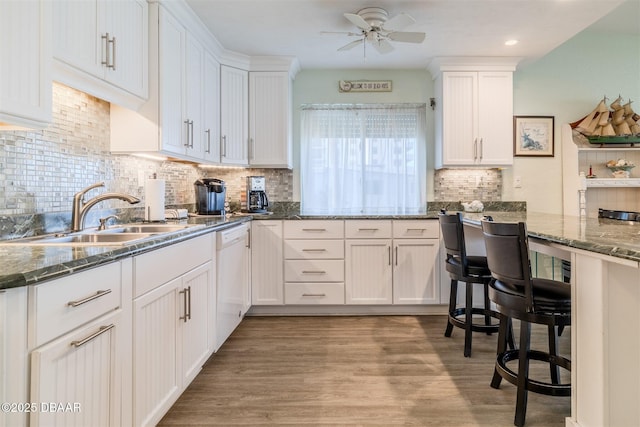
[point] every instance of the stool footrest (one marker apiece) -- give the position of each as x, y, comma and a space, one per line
536, 386
454, 319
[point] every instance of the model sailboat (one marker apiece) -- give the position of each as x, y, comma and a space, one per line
604, 123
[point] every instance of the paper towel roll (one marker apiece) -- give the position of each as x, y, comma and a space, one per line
154, 199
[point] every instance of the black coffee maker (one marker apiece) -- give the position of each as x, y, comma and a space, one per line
257, 200
210, 195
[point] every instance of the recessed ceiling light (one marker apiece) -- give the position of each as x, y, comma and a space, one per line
511, 42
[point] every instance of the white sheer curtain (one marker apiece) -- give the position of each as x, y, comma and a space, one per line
363, 159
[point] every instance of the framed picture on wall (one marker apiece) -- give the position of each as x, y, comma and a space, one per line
533, 136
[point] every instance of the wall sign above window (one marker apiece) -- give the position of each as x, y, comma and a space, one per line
364, 85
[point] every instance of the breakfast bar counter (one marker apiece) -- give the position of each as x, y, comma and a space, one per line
605, 332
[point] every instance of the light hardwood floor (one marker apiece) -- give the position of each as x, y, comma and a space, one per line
367, 370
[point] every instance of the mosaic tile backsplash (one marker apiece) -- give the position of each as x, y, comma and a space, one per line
468, 184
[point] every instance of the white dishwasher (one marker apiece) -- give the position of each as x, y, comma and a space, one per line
233, 297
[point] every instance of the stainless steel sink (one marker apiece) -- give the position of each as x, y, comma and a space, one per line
118, 235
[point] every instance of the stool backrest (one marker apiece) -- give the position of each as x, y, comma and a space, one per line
508, 255
453, 237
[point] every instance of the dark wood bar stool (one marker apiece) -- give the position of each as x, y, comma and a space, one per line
470, 270
530, 300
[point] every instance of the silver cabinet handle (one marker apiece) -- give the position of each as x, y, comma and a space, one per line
249, 238
223, 146
208, 132
481, 149
314, 250
475, 148
186, 122
94, 335
191, 127
314, 229
368, 229
396, 255
186, 303
389, 253
90, 298
113, 53
251, 148
105, 39
314, 295
416, 229
313, 272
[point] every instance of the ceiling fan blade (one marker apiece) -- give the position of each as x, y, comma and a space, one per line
347, 33
382, 46
351, 45
358, 21
398, 22
407, 37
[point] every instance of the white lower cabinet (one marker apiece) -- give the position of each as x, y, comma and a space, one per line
172, 323
267, 269
314, 262
396, 267
81, 349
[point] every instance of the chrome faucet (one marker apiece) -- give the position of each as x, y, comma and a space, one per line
80, 207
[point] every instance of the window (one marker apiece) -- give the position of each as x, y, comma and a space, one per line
363, 159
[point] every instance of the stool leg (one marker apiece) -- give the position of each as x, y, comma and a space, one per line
468, 319
487, 308
510, 338
523, 373
503, 330
453, 299
553, 350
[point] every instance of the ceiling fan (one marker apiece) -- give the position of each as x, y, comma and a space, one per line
378, 29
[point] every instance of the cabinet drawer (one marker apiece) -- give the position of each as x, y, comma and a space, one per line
322, 270
416, 229
365, 229
314, 229
154, 268
67, 303
314, 249
314, 293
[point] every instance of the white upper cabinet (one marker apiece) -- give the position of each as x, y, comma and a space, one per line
270, 119
211, 109
101, 47
474, 114
25, 71
234, 115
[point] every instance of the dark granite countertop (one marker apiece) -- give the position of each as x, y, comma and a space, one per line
620, 239
22, 265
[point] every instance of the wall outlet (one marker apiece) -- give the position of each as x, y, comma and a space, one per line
517, 182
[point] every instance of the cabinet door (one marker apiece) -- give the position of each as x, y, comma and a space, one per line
82, 371
368, 271
269, 119
459, 118
192, 120
127, 25
25, 86
267, 268
194, 294
415, 271
234, 115
157, 383
171, 74
495, 118
211, 109
76, 35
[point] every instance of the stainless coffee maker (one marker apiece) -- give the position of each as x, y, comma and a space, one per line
257, 200
210, 196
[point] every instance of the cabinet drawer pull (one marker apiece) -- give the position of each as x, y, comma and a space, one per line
187, 303
314, 229
417, 229
96, 334
87, 299
314, 250
368, 229
314, 295
313, 272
